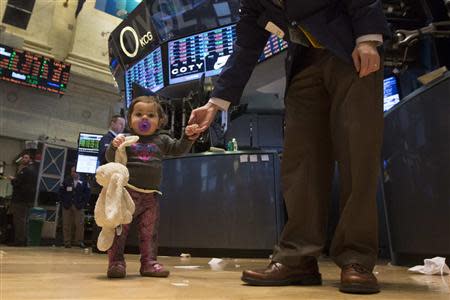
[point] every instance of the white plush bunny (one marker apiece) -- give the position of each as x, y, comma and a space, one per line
114, 205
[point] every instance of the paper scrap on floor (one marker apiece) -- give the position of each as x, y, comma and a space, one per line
432, 266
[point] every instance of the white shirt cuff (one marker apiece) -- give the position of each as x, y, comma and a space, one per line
370, 38
222, 104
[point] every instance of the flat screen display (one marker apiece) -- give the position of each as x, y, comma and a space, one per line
88, 148
178, 18
148, 73
391, 93
207, 53
117, 8
33, 70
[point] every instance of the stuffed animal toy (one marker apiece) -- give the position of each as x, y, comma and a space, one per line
114, 205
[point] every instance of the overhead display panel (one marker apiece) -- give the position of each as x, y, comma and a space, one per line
178, 18
117, 8
148, 73
205, 52
33, 70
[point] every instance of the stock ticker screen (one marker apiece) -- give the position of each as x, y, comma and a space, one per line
208, 53
205, 52
391, 93
148, 73
88, 148
33, 70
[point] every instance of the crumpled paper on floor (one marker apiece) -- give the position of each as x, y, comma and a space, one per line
432, 266
217, 264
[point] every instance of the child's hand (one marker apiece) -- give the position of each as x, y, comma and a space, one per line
192, 132
118, 140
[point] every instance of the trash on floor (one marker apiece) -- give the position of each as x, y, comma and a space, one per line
182, 283
217, 264
187, 267
432, 266
185, 255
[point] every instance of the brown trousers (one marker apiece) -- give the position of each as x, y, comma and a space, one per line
20, 212
73, 217
331, 115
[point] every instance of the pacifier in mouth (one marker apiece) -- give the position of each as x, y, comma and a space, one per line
144, 125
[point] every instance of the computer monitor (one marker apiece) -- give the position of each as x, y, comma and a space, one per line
391, 93
174, 19
88, 148
148, 73
207, 53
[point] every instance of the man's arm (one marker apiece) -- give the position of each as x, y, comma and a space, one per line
110, 153
369, 26
61, 191
86, 192
103, 145
367, 17
250, 42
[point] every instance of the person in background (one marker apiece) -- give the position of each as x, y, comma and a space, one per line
144, 162
74, 195
334, 111
24, 192
116, 126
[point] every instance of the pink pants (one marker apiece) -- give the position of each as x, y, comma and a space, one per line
146, 216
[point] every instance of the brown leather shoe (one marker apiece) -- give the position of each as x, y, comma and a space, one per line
279, 274
356, 279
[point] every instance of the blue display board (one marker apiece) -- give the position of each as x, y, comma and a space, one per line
391, 93
117, 8
148, 73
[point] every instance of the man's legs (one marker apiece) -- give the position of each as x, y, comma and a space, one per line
307, 165
357, 129
306, 170
68, 218
329, 112
20, 213
79, 226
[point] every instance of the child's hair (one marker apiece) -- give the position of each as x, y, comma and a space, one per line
148, 99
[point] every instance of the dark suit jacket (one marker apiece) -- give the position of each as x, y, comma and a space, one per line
78, 196
336, 24
104, 143
24, 185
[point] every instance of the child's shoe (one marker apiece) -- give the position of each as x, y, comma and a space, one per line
116, 270
153, 269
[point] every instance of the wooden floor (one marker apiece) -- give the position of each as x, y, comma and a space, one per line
58, 273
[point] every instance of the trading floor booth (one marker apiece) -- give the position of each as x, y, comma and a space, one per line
416, 156
222, 203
